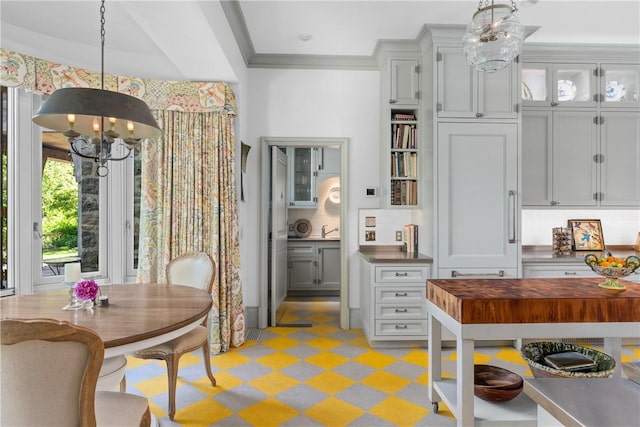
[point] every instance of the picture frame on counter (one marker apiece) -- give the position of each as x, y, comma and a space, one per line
586, 234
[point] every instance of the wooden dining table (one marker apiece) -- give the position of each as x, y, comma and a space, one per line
137, 316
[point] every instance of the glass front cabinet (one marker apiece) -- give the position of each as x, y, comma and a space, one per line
581, 85
302, 173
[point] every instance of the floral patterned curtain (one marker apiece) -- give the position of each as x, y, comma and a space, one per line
189, 204
189, 197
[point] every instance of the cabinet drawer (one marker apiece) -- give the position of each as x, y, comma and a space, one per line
401, 327
478, 273
561, 270
301, 249
402, 274
401, 296
397, 311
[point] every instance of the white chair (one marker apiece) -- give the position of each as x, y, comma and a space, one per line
48, 375
196, 269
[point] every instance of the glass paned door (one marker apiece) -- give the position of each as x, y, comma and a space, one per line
70, 227
6, 287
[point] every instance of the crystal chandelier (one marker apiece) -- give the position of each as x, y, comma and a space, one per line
493, 37
93, 120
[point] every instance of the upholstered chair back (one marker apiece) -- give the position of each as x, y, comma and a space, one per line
194, 269
48, 373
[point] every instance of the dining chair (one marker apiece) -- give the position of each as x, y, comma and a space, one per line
48, 375
196, 269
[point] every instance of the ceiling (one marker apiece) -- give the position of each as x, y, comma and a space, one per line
181, 40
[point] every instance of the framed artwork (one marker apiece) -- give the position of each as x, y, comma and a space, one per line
586, 235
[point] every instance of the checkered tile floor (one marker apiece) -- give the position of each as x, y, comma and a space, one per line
309, 376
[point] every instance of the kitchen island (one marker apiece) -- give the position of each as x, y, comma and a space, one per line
518, 308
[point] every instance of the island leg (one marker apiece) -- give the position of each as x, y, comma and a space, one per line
434, 358
464, 382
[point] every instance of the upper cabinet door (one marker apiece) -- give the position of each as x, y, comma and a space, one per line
405, 82
619, 86
456, 84
466, 93
302, 173
559, 85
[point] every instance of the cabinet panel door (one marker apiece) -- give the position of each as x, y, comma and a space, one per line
536, 158
620, 169
497, 93
404, 82
477, 211
456, 85
574, 168
302, 272
329, 267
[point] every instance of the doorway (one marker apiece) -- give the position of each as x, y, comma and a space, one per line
287, 142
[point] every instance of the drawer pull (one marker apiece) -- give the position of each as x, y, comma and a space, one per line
454, 273
402, 294
401, 310
570, 273
402, 327
405, 274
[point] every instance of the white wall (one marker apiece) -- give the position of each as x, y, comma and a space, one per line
619, 227
312, 103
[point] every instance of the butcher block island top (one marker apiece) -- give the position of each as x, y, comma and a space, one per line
482, 301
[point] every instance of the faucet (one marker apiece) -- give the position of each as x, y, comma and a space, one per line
325, 233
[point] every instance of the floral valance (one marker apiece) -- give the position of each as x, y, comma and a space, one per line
43, 77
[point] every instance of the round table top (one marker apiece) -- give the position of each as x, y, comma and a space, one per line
136, 312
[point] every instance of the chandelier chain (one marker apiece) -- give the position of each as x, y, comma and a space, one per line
102, 22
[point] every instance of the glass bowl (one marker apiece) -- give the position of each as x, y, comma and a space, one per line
612, 274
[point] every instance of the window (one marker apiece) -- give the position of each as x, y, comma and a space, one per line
5, 285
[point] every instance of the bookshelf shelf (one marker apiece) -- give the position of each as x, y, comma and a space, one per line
403, 150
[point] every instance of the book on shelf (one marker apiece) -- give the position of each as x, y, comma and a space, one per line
410, 234
404, 116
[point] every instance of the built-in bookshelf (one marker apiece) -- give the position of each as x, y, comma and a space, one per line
404, 158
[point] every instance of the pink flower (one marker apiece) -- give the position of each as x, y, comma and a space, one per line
86, 290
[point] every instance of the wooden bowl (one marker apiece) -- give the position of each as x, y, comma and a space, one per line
535, 352
495, 384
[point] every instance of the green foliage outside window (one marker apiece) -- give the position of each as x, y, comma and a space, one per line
59, 206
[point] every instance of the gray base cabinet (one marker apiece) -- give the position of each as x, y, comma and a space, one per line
393, 303
314, 266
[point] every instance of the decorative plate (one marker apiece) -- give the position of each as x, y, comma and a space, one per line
615, 91
302, 228
566, 90
527, 95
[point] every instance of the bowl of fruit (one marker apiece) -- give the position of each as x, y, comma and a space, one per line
612, 268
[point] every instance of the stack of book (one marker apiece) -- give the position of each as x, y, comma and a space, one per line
410, 234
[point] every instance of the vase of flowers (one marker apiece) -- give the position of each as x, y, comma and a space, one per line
86, 291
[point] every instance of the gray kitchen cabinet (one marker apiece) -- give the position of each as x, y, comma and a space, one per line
404, 81
314, 265
559, 85
558, 166
393, 303
477, 211
301, 176
463, 92
619, 159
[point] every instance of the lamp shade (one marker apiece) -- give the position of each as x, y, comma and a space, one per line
87, 104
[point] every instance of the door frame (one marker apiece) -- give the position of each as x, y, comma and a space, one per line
265, 150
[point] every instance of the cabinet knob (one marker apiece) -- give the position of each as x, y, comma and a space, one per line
402, 294
392, 101
405, 274
401, 310
478, 115
554, 104
402, 327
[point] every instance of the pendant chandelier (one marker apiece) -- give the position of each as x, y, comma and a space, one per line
97, 120
494, 36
